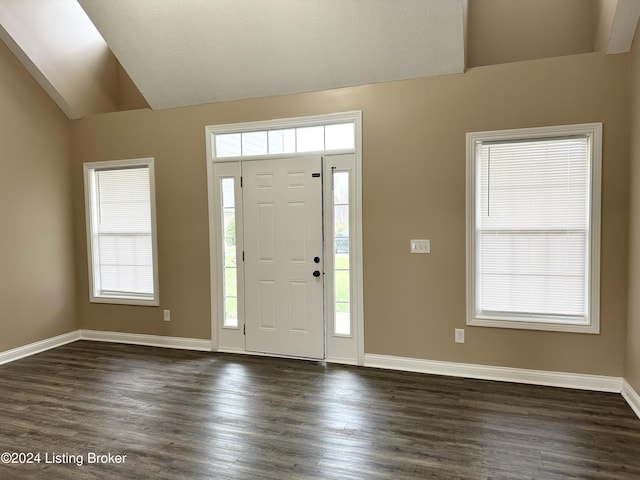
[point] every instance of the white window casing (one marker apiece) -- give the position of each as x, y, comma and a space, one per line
121, 231
533, 228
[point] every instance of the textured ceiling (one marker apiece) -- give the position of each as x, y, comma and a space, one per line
187, 52
624, 26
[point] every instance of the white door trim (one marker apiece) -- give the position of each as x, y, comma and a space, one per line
222, 342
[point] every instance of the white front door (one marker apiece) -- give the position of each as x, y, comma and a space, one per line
283, 267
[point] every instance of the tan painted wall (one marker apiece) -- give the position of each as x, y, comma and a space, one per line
606, 11
414, 187
128, 96
502, 31
37, 298
632, 359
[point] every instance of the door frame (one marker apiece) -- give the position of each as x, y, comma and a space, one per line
339, 349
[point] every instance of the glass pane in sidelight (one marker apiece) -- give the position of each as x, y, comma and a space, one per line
229, 253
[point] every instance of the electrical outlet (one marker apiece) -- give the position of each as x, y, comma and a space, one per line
166, 315
459, 335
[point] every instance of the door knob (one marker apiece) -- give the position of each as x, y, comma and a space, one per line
316, 273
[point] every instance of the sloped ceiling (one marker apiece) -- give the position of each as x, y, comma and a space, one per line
187, 52
60, 47
95, 56
624, 24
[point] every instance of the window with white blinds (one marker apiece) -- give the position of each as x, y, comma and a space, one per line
533, 232
121, 231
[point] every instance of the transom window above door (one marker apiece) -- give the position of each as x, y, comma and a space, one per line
314, 138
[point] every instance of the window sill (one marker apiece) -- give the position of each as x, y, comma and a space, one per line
126, 301
550, 326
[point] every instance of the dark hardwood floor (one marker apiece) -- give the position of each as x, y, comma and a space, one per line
189, 415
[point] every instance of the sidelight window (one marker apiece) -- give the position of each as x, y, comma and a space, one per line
341, 251
229, 253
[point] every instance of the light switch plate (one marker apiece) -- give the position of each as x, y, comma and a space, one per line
420, 246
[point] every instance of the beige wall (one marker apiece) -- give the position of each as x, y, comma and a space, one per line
632, 360
36, 241
128, 97
502, 31
414, 187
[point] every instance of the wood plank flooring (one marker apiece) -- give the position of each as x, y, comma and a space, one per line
191, 415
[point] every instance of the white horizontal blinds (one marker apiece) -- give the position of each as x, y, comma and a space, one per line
532, 227
123, 252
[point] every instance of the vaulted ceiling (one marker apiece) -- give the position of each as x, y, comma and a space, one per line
95, 56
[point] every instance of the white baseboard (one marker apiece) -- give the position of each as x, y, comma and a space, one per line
37, 347
504, 374
102, 336
146, 340
632, 397
483, 372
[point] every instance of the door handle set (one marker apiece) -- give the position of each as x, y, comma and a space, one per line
316, 273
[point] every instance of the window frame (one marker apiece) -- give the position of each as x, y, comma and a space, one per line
296, 146
339, 164
593, 132
88, 170
229, 170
